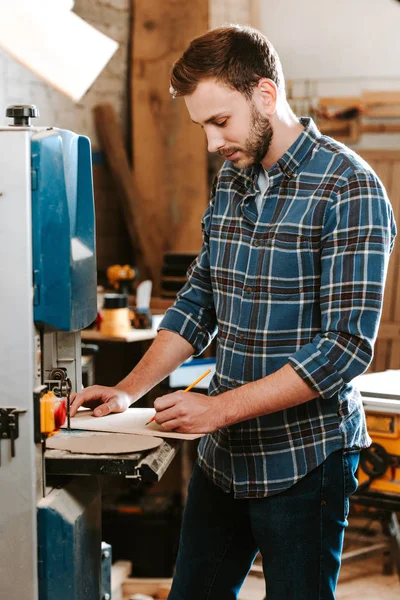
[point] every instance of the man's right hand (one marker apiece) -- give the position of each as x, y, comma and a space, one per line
104, 400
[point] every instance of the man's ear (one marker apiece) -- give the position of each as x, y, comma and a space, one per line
267, 93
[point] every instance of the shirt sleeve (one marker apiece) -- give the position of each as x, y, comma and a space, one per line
357, 239
193, 314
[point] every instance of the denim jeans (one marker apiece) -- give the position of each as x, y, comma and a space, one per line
299, 533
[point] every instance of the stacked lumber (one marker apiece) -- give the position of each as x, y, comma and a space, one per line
346, 118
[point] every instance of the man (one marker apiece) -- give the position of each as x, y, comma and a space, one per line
290, 277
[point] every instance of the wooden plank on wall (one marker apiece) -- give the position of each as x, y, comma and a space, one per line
387, 350
169, 151
145, 240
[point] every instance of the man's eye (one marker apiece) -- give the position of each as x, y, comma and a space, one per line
222, 123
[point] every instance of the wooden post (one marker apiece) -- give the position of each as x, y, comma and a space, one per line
144, 238
169, 151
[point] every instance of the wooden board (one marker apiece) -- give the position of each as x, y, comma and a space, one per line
132, 420
120, 570
386, 164
145, 238
136, 335
92, 442
169, 151
142, 585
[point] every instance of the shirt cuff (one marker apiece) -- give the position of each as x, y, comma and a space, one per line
188, 327
316, 370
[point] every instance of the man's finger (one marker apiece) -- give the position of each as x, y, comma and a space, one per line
166, 401
114, 405
166, 415
103, 410
92, 393
171, 425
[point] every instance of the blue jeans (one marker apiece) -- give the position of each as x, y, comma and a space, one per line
299, 533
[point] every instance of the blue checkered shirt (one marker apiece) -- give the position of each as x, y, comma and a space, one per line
302, 283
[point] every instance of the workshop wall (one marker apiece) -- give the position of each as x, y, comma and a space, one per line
334, 39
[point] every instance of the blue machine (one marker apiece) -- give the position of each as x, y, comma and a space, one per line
63, 231
64, 279
69, 542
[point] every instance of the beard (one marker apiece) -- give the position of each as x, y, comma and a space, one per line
257, 143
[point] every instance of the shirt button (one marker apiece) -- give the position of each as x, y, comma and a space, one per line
241, 336
257, 243
234, 383
249, 289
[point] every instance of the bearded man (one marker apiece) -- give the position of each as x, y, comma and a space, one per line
290, 278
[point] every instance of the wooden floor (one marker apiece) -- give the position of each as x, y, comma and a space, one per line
361, 580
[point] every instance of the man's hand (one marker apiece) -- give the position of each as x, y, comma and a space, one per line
106, 399
188, 412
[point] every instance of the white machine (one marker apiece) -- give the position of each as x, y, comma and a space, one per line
48, 294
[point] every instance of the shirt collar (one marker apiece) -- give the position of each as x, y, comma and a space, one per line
294, 159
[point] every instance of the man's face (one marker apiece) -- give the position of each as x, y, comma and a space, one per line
234, 126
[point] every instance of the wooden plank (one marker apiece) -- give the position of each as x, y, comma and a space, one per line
377, 154
384, 172
389, 330
132, 421
393, 290
120, 570
387, 350
380, 127
394, 195
380, 97
169, 151
382, 350
326, 125
385, 112
149, 586
144, 234
135, 335
339, 101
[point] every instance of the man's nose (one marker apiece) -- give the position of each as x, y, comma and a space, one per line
214, 141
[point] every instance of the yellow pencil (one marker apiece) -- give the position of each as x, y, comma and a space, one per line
189, 388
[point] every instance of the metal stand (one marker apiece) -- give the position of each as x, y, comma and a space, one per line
385, 508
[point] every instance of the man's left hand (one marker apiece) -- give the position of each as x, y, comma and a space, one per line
188, 412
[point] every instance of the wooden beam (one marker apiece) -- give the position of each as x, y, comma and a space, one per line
382, 112
389, 330
169, 151
378, 98
339, 101
386, 163
144, 235
380, 154
133, 585
380, 127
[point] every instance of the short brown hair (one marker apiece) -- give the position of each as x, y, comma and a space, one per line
236, 56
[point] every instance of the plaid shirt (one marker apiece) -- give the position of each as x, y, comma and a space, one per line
300, 283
